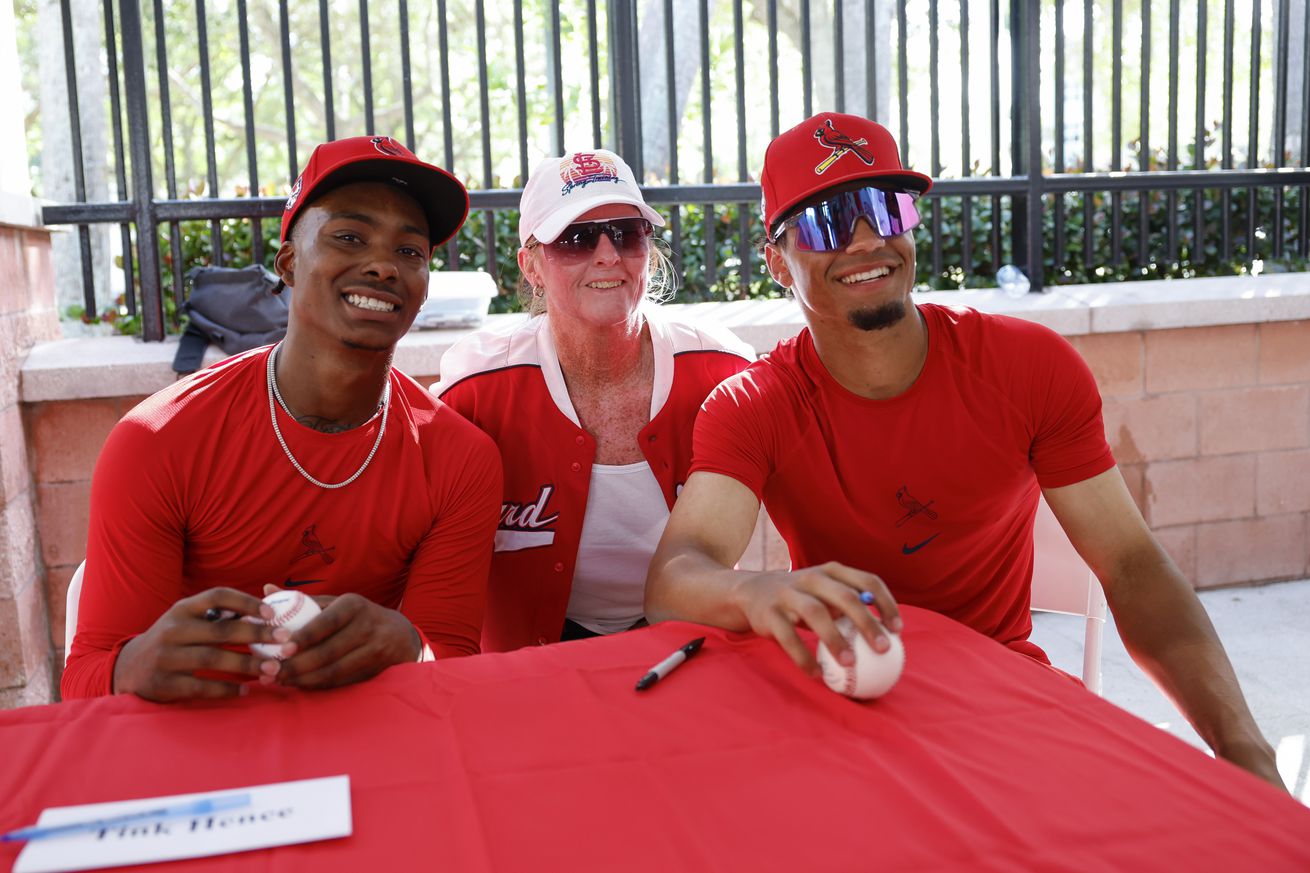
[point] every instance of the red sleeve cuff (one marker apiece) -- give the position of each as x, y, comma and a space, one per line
92, 672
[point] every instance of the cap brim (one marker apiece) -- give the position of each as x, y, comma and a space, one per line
550, 229
439, 194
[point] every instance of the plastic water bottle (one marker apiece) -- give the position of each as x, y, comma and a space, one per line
1012, 282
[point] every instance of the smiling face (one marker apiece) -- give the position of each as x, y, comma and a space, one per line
865, 285
357, 260
603, 290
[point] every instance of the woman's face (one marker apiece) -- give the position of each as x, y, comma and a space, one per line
602, 288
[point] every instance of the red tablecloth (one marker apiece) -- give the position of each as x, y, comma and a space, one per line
546, 759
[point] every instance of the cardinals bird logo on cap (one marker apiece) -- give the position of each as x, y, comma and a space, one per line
387, 146
295, 193
841, 145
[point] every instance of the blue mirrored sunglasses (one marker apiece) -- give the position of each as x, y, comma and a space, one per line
829, 226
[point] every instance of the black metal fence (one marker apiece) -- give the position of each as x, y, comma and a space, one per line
980, 93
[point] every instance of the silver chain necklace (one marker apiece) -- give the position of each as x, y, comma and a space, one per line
273, 394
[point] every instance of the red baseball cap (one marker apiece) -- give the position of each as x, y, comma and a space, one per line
827, 150
380, 159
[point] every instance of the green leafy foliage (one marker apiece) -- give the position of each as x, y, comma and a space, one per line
195, 249
489, 241
714, 272
1116, 255
710, 251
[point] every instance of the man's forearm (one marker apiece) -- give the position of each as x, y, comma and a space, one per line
1170, 636
691, 586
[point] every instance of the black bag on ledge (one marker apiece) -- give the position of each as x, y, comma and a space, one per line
235, 309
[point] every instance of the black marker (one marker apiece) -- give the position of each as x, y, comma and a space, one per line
665, 667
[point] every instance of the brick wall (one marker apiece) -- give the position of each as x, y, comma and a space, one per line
1211, 426
66, 437
27, 316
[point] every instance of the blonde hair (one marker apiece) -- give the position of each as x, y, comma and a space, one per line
661, 278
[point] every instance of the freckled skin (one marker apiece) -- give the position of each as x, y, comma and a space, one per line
604, 346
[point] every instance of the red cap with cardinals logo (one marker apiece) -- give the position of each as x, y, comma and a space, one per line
380, 159
827, 150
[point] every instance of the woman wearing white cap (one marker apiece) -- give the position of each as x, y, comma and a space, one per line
591, 401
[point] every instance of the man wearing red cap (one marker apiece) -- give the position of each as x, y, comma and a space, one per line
311, 464
901, 449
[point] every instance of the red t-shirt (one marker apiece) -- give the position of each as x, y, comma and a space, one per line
192, 491
933, 490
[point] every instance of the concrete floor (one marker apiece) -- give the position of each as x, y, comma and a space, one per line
1266, 632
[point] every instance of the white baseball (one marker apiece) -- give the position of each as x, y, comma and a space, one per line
873, 673
291, 610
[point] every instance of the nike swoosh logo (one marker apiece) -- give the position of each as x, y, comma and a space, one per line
296, 583
907, 549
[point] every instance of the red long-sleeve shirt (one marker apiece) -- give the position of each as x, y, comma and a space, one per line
192, 491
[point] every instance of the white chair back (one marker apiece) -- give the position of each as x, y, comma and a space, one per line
1063, 583
71, 602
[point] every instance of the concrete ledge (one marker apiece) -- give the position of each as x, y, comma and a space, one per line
21, 210
763, 323
122, 366
1173, 303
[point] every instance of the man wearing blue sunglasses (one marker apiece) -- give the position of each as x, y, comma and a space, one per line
901, 450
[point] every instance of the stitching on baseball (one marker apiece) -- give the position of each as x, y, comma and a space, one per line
848, 686
297, 605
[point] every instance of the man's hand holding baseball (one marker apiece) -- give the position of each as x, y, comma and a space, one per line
351, 640
161, 664
774, 603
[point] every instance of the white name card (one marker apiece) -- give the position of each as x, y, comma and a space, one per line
281, 814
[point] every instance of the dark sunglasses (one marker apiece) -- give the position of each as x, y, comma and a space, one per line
829, 226
630, 236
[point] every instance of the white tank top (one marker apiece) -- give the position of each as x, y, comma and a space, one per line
625, 518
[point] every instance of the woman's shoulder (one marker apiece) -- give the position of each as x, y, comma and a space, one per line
687, 335
513, 343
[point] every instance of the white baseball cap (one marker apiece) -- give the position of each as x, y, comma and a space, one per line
560, 189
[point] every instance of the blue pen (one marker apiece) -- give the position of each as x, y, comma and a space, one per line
191, 807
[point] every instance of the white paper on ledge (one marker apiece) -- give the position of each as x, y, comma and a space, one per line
280, 814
